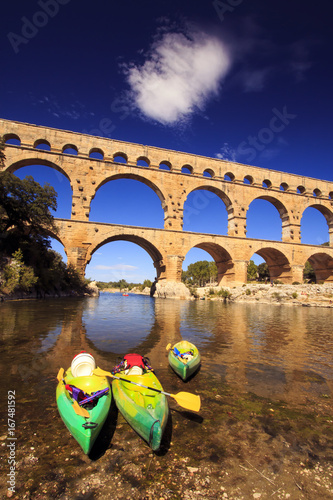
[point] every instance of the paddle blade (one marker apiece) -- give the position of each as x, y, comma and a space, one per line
168, 347
102, 373
79, 410
187, 400
60, 375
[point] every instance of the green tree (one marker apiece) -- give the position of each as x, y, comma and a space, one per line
263, 271
309, 273
252, 271
18, 276
25, 216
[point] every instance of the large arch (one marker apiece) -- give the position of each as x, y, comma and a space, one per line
28, 162
280, 207
328, 215
277, 262
322, 264
151, 249
222, 258
135, 177
203, 202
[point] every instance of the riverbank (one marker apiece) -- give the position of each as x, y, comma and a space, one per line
306, 295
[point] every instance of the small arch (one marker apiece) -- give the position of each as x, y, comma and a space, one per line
229, 176
187, 169
284, 186
209, 173
330, 195
248, 179
12, 139
96, 154
317, 192
70, 149
143, 161
266, 183
120, 157
42, 144
301, 190
165, 165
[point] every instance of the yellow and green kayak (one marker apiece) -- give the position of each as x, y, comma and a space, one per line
84, 429
146, 410
184, 359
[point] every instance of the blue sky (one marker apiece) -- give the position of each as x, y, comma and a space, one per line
200, 77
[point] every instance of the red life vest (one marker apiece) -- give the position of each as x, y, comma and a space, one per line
134, 360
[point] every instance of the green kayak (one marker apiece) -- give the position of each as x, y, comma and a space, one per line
184, 359
145, 410
84, 429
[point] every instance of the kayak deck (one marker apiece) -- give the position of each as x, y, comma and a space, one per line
184, 367
145, 410
84, 429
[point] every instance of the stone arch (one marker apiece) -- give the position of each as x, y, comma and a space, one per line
209, 173
151, 249
284, 186
71, 147
221, 194
327, 213
8, 137
229, 176
187, 169
248, 179
322, 264
266, 183
277, 262
222, 258
135, 177
26, 162
143, 161
42, 142
165, 165
96, 152
281, 208
120, 154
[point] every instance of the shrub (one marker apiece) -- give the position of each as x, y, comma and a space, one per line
295, 283
248, 291
294, 295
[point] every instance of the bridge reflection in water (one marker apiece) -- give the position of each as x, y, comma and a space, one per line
273, 351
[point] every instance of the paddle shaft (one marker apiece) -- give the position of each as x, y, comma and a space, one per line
141, 385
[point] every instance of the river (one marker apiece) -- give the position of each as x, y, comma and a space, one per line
278, 352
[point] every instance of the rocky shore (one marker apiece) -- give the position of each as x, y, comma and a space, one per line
306, 295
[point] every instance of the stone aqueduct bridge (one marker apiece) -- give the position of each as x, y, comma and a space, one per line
235, 184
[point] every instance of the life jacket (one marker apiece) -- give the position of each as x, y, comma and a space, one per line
134, 360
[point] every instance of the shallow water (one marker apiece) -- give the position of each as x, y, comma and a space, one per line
273, 351
276, 352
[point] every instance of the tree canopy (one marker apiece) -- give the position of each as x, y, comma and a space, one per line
200, 273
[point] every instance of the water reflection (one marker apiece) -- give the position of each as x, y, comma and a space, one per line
274, 351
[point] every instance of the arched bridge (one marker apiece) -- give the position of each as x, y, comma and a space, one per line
172, 175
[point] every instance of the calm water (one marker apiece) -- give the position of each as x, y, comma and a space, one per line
273, 351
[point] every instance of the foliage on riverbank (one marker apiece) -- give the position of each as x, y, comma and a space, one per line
28, 266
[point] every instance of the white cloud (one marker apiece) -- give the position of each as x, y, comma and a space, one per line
179, 76
117, 267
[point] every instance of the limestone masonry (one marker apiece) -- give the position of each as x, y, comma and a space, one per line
235, 184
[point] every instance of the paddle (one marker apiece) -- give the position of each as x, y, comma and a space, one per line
184, 399
76, 407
